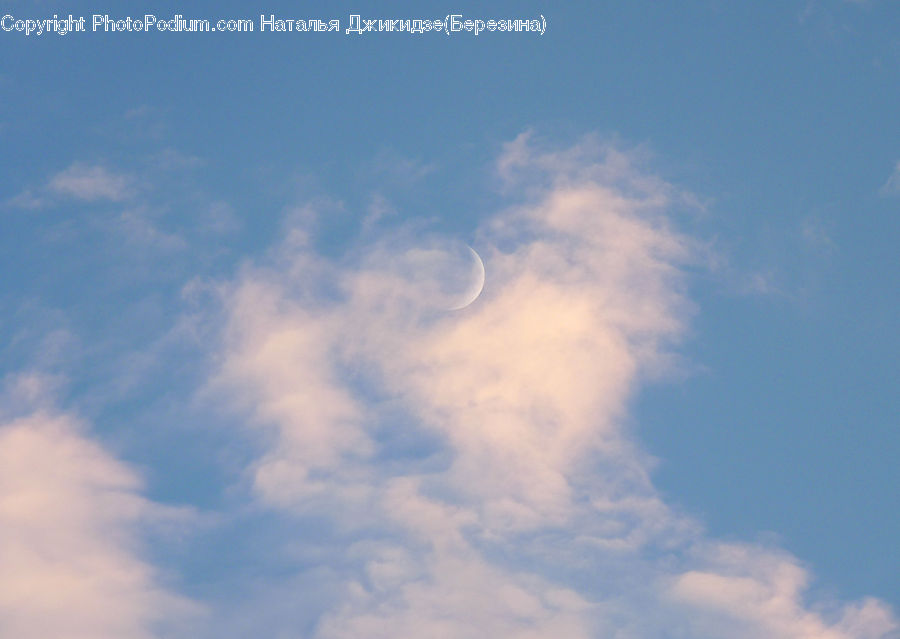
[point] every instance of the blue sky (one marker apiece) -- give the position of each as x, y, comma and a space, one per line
231, 400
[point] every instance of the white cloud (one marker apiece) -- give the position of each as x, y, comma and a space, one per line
479, 463
80, 182
452, 597
70, 522
751, 592
90, 183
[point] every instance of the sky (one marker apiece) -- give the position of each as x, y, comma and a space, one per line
243, 391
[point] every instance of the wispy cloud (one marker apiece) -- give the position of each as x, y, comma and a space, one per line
476, 466
816, 234
892, 185
379, 208
136, 226
27, 199
90, 183
394, 168
79, 182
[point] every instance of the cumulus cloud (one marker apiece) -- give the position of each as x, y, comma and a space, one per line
71, 563
477, 466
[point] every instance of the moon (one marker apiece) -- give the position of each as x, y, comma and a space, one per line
476, 275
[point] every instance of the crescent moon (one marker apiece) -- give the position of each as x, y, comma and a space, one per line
477, 284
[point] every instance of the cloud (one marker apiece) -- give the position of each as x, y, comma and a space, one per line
90, 183
892, 186
394, 168
816, 234
476, 468
26, 200
80, 182
136, 226
70, 528
751, 592
379, 208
